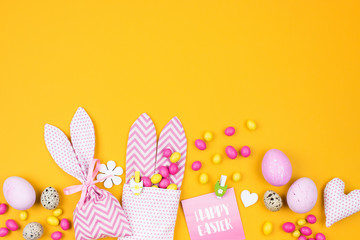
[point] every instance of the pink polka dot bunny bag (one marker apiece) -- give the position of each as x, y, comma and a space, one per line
98, 214
152, 212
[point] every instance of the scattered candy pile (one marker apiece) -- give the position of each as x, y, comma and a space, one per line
304, 231
160, 179
230, 151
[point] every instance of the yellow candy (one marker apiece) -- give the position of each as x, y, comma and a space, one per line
155, 186
216, 159
296, 233
175, 157
172, 186
236, 177
156, 178
203, 178
267, 228
301, 222
208, 136
57, 212
53, 220
251, 125
23, 215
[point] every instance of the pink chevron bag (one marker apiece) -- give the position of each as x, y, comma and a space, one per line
152, 214
98, 214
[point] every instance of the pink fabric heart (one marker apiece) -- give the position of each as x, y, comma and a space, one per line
338, 205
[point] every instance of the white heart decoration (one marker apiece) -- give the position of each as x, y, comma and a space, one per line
338, 205
248, 199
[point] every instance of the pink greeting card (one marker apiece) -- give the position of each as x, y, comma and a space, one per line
210, 218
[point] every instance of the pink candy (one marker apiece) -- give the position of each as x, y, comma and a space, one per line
200, 144
173, 169
245, 151
231, 152
311, 239
164, 183
306, 231
146, 181
163, 171
196, 165
3, 208
288, 227
302, 237
3, 232
56, 235
167, 152
65, 224
12, 225
229, 131
320, 236
311, 219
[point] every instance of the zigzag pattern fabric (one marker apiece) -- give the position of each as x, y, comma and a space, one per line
100, 217
173, 137
141, 148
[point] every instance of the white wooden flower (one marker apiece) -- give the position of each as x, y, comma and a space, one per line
110, 168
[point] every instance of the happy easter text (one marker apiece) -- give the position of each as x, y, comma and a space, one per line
213, 219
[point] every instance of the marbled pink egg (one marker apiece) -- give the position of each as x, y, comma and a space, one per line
4, 232
146, 181
56, 235
306, 231
3, 208
229, 131
200, 144
288, 227
164, 183
302, 195
302, 237
320, 236
311, 219
65, 224
12, 225
276, 168
167, 152
163, 171
231, 152
196, 166
173, 169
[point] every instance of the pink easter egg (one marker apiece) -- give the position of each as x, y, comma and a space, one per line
229, 131
306, 231
320, 236
200, 144
19, 193
311, 219
288, 227
65, 224
12, 225
164, 183
173, 169
302, 195
4, 232
146, 181
302, 237
163, 171
167, 152
56, 235
231, 152
276, 168
311, 239
3, 208
245, 151
196, 165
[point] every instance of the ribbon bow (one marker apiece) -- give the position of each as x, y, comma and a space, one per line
89, 182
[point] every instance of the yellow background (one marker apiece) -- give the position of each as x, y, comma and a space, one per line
292, 66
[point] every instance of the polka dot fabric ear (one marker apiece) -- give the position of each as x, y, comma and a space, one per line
338, 205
